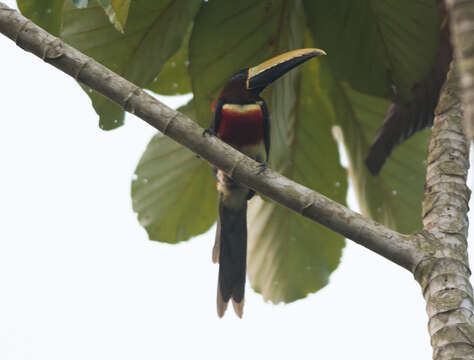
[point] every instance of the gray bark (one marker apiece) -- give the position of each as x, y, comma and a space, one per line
402, 249
444, 277
436, 255
461, 13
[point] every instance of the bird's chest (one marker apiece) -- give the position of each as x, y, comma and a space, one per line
241, 125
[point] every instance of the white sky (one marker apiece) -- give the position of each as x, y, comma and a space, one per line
80, 280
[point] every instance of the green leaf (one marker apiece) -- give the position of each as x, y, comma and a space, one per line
111, 116
395, 196
155, 30
373, 44
288, 256
174, 192
229, 36
173, 78
80, 3
45, 13
112, 15
121, 10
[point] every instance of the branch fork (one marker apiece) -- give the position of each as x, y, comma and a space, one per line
436, 255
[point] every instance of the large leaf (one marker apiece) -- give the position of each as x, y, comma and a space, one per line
154, 32
288, 256
402, 120
174, 192
80, 3
376, 43
112, 15
372, 45
45, 13
121, 8
394, 197
229, 36
173, 78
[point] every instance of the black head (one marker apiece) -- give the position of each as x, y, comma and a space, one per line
236, 91
246, 85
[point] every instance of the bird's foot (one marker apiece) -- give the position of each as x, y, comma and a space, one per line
208, 132
261, 167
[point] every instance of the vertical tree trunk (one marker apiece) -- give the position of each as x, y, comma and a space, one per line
461, 14
444, 275
438, 254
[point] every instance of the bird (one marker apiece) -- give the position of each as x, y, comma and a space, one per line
240, 118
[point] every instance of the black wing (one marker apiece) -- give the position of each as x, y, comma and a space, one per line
266, 126
216, 116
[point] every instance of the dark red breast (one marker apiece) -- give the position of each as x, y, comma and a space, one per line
241, 125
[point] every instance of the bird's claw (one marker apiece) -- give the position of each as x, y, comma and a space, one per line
261, 167
208, 132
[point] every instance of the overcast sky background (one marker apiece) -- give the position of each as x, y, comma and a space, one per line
80, 280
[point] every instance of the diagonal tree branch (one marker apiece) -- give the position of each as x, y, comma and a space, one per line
403, 250
437, 255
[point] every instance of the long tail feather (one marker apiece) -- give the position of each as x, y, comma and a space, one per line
231, 248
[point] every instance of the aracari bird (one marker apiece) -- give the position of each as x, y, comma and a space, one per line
241, 119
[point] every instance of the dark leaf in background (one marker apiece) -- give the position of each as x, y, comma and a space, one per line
45, 13
121, 8
229, 36
154, 32
373, 44
394, 197
80, 3
111, 14
402, 120
290, 256
173, 78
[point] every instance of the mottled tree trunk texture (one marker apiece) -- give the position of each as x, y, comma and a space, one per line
436, 255
461, 14
444, 275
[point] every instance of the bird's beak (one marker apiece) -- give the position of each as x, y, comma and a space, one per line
261, 75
